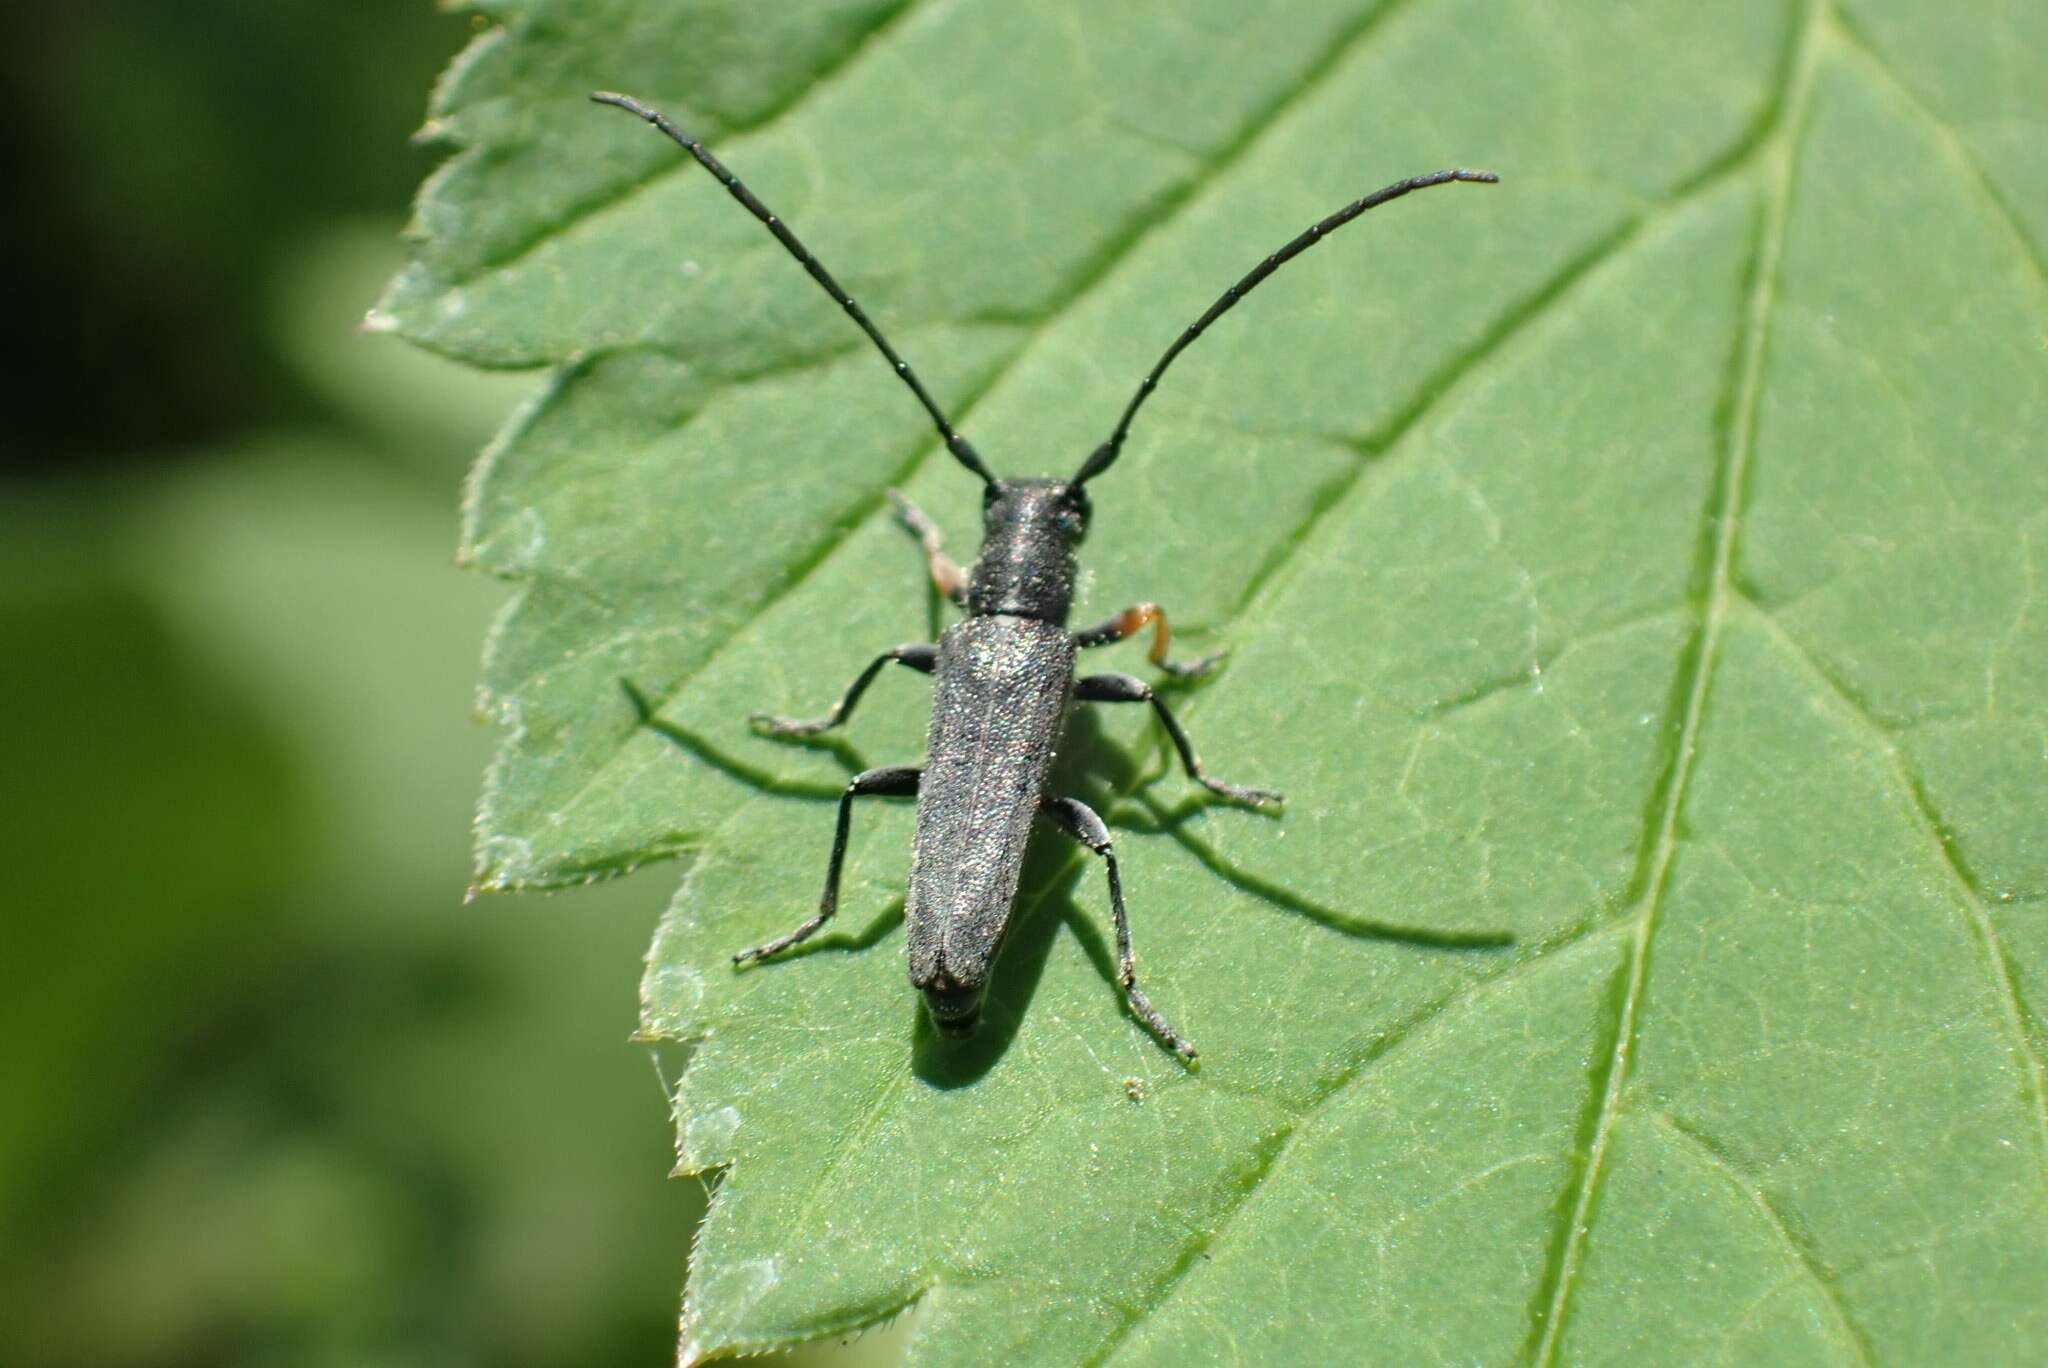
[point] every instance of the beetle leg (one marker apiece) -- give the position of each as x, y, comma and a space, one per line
1079, 821
1136, 619
893, 781
1123, 688
946, 572
921, 656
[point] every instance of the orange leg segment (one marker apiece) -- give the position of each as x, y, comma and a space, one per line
946, 572
1136, 619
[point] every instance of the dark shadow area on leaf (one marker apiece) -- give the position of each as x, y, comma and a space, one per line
752, 775
1105, 771
946, 1063
839, 942
1114, 782
1172, 822
835, 745
1115, 773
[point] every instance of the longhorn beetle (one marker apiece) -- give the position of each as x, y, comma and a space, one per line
1005, 675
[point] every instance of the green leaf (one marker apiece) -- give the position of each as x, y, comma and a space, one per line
1639, 558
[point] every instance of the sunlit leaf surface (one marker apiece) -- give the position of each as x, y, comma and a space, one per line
1642, 558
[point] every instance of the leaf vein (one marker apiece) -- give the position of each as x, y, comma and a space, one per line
512, 255
1267, 580
1283, 1142
1997, 959
1825, 1282
1950, 141
1721, 517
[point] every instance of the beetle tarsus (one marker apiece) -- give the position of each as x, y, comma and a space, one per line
921, 656
769, 724
1081, 822
782, 943
1123, 688
1142, 1008
891, 781
1136, 619
1239, 793
1196, 668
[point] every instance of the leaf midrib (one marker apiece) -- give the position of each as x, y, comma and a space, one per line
1723, 596
1351, 1071
1783, 144
1823, 23
1455, 375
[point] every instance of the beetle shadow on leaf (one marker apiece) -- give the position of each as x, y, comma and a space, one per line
836, 941
938, 611
1159, 819
1116, 783
753, 776
1050, 873
1140, 812
1059, 877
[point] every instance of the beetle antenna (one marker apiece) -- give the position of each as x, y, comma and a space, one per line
963, 451
1102, 457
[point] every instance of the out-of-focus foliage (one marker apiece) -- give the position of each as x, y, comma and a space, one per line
273, 1093
166, 160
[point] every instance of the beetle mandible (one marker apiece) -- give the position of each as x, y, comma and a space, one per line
1004, 675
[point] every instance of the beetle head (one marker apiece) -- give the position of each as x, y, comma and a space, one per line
1018, 506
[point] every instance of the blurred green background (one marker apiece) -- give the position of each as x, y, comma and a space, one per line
272, 1092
